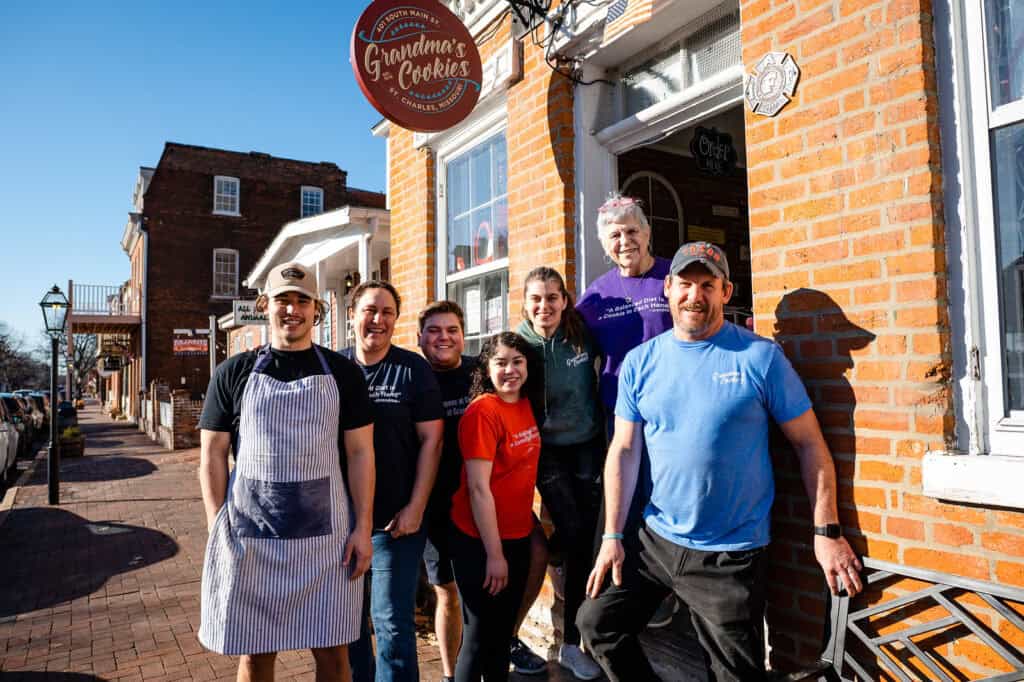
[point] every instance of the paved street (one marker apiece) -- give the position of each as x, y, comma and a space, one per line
106, 586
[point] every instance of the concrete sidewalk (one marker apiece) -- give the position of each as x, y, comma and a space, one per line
106, 585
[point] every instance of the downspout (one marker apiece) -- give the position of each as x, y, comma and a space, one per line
145, 300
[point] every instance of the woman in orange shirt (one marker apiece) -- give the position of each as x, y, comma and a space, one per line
492, 510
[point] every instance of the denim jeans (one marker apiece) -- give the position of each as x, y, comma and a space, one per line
725, 592
393, 578
569, 481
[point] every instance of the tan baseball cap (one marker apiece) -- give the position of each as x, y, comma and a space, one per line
291, 277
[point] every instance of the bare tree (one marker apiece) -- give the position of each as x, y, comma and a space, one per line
18, 367
83, 360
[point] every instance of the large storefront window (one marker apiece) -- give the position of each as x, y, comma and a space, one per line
476, 238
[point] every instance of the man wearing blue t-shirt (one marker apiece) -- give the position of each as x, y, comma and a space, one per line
703, 394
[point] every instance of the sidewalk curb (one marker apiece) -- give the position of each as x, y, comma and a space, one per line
11, 496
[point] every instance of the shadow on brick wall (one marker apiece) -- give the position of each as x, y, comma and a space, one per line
820, 340
53, 556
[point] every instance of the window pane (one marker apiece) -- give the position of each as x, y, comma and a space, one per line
1004, 23
654, 81
500, 213
495, 303
483, 236
1008, 177
480, 165
458, 187
459, 251
499, 156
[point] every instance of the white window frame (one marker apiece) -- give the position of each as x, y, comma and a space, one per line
987, 464
238, 195
219, 252
1004, 433
484, 127
302, 200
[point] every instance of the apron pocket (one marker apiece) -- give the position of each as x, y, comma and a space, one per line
281, 510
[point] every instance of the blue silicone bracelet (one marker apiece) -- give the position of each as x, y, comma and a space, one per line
612, 536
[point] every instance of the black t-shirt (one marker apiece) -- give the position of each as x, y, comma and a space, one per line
455, 385
224, 398
404, 392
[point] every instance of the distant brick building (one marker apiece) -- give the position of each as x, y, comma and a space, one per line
874, 226
202, 219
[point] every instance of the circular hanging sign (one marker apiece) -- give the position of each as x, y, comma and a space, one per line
416, 63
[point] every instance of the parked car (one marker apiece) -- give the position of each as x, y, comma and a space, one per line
21, 422
67, 415
8, 441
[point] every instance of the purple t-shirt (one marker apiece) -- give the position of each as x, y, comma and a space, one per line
623, 312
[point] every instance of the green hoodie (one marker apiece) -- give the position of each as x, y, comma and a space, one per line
572, 411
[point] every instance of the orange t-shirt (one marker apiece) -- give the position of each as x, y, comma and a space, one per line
507, 435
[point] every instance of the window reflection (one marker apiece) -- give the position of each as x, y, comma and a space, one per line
1008, 177
478, 206
1004, 26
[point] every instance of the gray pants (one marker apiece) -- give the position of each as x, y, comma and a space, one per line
724, 591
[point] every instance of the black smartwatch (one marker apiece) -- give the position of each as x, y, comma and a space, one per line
831, 530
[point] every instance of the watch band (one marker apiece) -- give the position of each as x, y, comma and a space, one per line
831, 530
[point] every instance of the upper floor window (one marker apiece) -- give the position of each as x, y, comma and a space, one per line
225, 195
312, 201
225, 273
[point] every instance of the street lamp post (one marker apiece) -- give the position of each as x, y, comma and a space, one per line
55, 311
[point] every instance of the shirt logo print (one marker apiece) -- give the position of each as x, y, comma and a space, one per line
727, 378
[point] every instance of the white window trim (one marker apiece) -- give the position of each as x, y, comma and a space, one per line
214, 294
238, 196
302, 195
1005, 434
492, 122
987, 466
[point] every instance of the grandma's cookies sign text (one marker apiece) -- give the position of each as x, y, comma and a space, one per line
416, 63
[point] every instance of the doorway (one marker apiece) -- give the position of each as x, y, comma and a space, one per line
693, 185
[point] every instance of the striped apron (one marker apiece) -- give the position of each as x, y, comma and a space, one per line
273, 578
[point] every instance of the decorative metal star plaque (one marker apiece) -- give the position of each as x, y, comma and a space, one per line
772, 83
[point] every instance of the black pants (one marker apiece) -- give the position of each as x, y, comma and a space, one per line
489, 622
569, 481
723, 590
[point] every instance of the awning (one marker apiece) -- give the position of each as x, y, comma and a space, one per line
311, 254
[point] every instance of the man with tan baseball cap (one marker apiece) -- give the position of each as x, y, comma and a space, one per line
290, 409
292, 276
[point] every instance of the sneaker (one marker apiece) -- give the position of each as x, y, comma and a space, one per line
524, 661
579, 662
666, 611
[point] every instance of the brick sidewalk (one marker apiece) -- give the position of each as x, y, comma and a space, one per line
106, 586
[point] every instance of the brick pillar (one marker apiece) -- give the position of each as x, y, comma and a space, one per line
848, 258
413, 237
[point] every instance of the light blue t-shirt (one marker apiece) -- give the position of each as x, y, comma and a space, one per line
706, 406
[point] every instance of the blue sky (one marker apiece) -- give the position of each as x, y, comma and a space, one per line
90, 91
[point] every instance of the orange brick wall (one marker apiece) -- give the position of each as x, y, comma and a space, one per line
847, 241
540, 185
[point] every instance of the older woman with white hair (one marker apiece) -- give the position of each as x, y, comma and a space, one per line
625, 306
